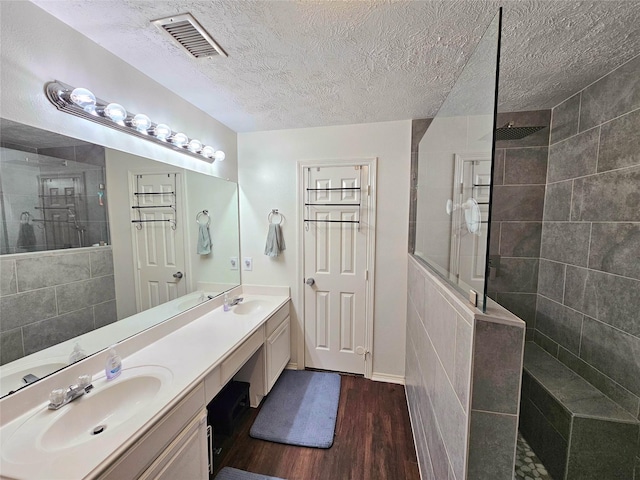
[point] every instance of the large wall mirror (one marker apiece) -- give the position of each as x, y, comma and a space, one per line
97, 245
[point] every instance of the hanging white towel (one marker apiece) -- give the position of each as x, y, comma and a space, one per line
275, 241
204, 240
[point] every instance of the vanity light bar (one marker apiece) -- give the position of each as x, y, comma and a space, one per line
83, 103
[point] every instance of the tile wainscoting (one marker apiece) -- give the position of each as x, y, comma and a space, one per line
49, 297
463, 374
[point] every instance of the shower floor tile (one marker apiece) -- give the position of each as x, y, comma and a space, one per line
528, 465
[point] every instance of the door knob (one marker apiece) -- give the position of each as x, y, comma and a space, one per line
310, 282
178, 275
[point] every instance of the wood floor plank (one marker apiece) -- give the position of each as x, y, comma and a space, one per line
373, 441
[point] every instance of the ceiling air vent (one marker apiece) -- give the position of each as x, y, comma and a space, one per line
190, 35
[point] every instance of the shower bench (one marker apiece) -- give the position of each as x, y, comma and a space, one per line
576, 431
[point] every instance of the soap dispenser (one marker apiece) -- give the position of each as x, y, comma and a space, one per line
113, 367
226, 306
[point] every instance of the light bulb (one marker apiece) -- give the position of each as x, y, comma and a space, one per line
179, 139
207, 152
219, 155
115, 112
162, 131
141, 123
84, 99
195, 146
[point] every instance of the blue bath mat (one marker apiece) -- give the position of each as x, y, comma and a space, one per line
228, 473
301, 409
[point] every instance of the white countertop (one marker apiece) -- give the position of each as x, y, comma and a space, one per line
189, 352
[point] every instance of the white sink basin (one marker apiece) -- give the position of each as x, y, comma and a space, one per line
96, 414
249, 307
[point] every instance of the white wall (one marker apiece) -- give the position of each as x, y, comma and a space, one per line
37, 48
268, 175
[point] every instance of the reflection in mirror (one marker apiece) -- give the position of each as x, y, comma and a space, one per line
454, 174
52, 190
84, 291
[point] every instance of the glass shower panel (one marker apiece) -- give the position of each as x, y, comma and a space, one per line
455, 159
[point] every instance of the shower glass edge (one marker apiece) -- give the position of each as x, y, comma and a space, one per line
455, 171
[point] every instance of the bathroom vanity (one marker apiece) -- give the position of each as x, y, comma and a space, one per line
150, 422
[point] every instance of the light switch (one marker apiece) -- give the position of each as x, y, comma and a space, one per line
247, 263
233, 261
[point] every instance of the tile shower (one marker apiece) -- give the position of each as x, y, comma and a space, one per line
588, 295
566, 238
576, 280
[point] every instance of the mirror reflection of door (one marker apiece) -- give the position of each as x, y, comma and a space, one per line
472, 180
158, 243
335, 246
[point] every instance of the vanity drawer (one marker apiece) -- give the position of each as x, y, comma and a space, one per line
276, 319
234, 362
144, 452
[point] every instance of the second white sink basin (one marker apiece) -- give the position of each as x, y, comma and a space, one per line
248, 307
97, 413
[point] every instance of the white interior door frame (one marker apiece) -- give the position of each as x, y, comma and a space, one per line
372, 163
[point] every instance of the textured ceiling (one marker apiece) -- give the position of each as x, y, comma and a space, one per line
312, 63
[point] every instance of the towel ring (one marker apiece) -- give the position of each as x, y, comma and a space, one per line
272, 214
204, 213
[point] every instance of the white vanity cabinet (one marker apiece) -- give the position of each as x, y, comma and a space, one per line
177, 442
167, 438
187, 457
277, 345
177, 446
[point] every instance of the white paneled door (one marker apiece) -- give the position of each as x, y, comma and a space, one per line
337, 226
158, 238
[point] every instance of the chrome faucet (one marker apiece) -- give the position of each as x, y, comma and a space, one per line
235, 301
60, 396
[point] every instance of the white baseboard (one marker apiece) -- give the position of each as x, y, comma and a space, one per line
291, 366
387, 378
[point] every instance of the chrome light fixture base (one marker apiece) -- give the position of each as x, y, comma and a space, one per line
59, 94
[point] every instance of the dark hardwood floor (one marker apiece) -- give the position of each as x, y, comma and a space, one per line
373, 441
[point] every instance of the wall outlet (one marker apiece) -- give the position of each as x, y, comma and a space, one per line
247, 263
233, 261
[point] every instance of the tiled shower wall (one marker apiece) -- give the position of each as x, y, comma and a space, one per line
451, 352
438, 372
520, 173
588, 308
49, 297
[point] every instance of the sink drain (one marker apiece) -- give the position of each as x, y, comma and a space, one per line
98, 430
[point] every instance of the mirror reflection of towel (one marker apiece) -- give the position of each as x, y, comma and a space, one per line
204, 240
275, 241
26, 237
